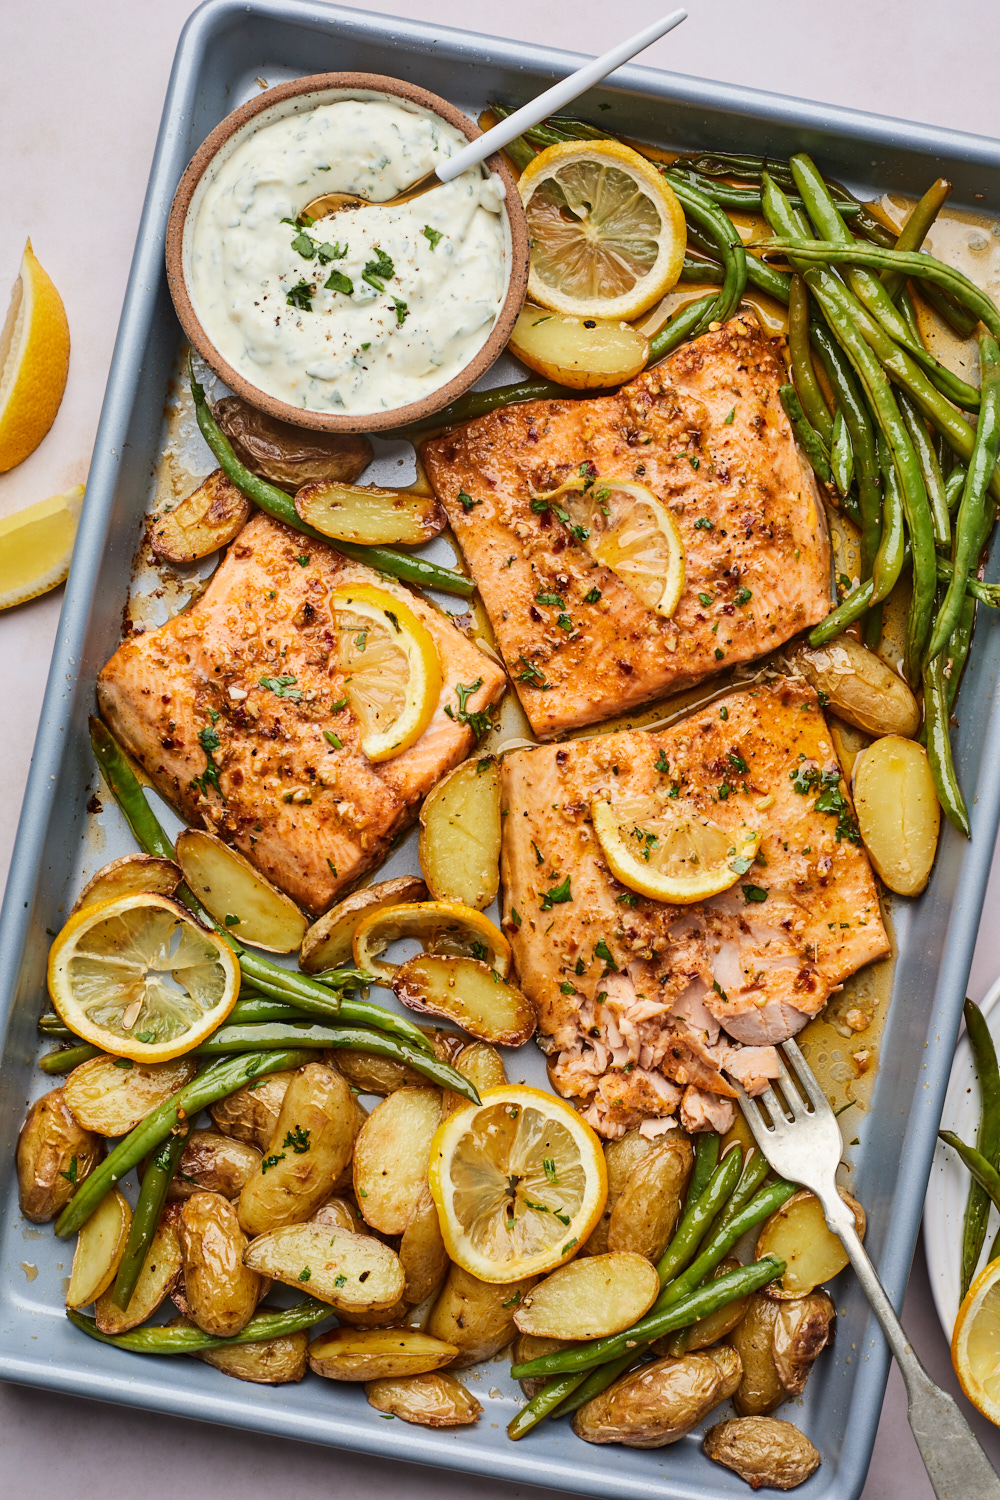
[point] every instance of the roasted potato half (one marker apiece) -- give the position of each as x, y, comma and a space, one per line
127, 876
278, 1361
483, 1066
797, 1234
160, 1270
761, 1388
476, 1316
214, 1163
460, 834
778, 1343
859, 687
391, 1155
337, 1213
589, 1298
207, 519
369, 515
469, 993
112, 1094
376, 1075
435, 1399
767, 1453
290, 456
421, 1251
898, 812
621, 1156
329, 941
660, 1402
220, 1291
55, 1154
802, 1329
650, 1202
526, 1347
377, 1353
100, 1246
237, 895
582, 353
353, 1272
306, 1155
251, 1114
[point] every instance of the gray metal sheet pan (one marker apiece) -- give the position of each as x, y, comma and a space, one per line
224, 47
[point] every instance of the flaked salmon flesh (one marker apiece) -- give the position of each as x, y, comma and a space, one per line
705, 431
647, 1010
311, 813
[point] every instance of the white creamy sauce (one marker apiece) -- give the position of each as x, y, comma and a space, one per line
346, 343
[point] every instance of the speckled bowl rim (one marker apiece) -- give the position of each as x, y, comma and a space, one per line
401, 416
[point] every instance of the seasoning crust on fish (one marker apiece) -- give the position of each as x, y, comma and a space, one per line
705, 431
648, 1010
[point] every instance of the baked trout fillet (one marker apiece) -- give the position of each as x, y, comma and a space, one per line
706, 433
237, 712
649, 1010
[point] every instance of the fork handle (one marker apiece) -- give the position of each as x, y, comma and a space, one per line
956, 1465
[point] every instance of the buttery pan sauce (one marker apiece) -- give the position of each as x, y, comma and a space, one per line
369, 309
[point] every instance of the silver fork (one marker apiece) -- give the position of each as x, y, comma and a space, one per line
799, 1135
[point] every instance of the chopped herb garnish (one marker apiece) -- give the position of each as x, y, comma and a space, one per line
737, 761
282, 687
755, 893
532, 675
303, 559
340, 1281
333, 868
553, 600
232, 921
539, 507
338, 282
717, 987
305, 1273
300, 296
563, 1218
539, 856
328, 252
333, 739
466, 501
336, 707
719, 653
566, 988
741, 864
271, 1161
402, 311
661, 763
742, 596
581, 967
305, 246
602, 951
433, 236
298, 1140
208, 739
704, 524
728, 421
723, 714
569, 1244
706, 599
565, 622
694, 462
592, 597
515, 916
123, 1062
378, 271
556, 895
70, 1176
627, 898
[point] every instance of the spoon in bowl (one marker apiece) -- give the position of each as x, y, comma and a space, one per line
530, 114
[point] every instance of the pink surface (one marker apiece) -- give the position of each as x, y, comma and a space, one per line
79, 109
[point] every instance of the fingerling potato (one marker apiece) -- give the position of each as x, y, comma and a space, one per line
483, 1066
898, 812
378, 1317
620, 1156
711, 1329
459, 847
230, 888
100, 1246
859, 687
764, 1451
659, 1403
650, 1203
798, 1235
213, 1163
376, 1075
391, 1155
587, 1299
761, 1388
582, 353
290, 456
251, 1114
309, 1150
801, 1330
111, 1095
435, 1399
201, 523
476, 1316
220, 1292
376, 1354
369, 515
279, 1361
526, 1347
469, 993
337, 1213
353, 1272
55, 1154
160, 1270
329, 941
421, 1251
127, 876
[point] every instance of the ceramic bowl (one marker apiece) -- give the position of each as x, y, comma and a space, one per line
299, 96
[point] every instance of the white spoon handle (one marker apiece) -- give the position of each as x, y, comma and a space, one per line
554, 98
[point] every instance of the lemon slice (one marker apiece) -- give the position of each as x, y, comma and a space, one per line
439, 926
392, 675
626, 528
607, 232
138, 977
669, 852
34, 362
519, 1182
36, 545
975, 1343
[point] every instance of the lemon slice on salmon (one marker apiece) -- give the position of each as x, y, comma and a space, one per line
625, 527
519, 1181
36, 545
678, 856
975, 1343
138, 977
392, 675
607, 232
34, 362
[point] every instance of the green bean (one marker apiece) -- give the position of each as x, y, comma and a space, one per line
713, 222
703, 271
889, 561
958, 648
597, 1381
720, 1241
260, 1008
807, 387
936, 715
156, 1181
542, 1404
983, 1171
216, 1082
930, 468
759, 274
55, 1026
263, 1038
972, 512
977, 1211
519, 152
282, 507
687, 1310
808, 438
683, 325
698, 1217
954, 485
65, 1059
909, 312
755, 1170
842, 456
479, 403
848, 612
858, 419
707, 1147
986, 593
162, 1339
915, 230
744, 200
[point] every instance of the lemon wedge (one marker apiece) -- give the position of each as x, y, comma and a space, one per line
607, 232
975, 1343
626, 528
669, 852
439, 926
519, 1182
392, 675
138, 977
34, 362
36, 545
